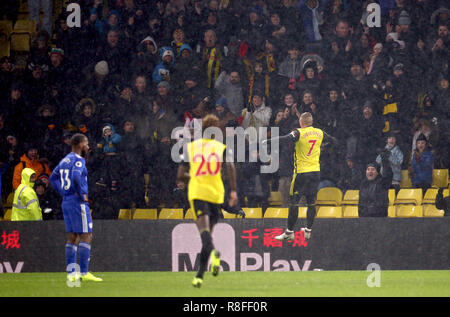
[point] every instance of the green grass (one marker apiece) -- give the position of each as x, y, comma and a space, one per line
232, 284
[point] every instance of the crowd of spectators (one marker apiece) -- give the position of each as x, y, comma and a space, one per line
136, 69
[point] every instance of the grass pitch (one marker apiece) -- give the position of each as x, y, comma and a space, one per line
232, 284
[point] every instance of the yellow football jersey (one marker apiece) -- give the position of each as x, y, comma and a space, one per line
307, 149
205, 161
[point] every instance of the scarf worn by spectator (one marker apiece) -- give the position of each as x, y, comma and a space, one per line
214, 58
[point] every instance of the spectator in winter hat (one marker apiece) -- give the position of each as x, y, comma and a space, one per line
422, 164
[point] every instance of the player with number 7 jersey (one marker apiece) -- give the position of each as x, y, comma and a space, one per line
306, 177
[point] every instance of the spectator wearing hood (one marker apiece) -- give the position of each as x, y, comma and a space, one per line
86, 119
312, 16
368, 134
261, 80
290, 68
186, 63
145, 59
256, 115
422, 164
310, 79
30, 159
165, 68
110, 168
26, 203
374, 189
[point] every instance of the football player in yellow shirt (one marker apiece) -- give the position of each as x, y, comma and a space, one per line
206, 191
306, 177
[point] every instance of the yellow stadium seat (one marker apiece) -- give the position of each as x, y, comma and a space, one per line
302, 212
9, 200
189, 214
391, 212
228, 215
168, 213
5, 33
22, 34
26, 26
20, 42
350, 211
430, 210
406, 180
275, 199
6, 27
329, 212
430, 196
409, 211
391, 195
351, 197
124, 214
276, 212
440, 178
7, 215
409, 196
329, 196
253, 213
145, 214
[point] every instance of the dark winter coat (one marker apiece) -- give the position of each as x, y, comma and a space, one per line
373, 195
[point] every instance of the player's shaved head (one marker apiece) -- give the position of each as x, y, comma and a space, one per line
307, 119
77, 139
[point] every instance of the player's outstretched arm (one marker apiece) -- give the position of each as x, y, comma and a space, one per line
293, 136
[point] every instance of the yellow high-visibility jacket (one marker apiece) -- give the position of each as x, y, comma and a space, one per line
26, 202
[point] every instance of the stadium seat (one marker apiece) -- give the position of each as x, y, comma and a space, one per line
409, 196
329, 212
189, 214
430, 196
5, 33
168, 213
253, 213
302, 212
409, 211
330, 196
440, 178
430, 210
6, 27
276, 212
391, 195
21, 35
350, 211
124, 214
227, 215
351, 197
406, 180
145, 214
275, 199
391, 212
7, 215
9, 200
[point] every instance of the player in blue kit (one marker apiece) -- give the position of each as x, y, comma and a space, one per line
69, 179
